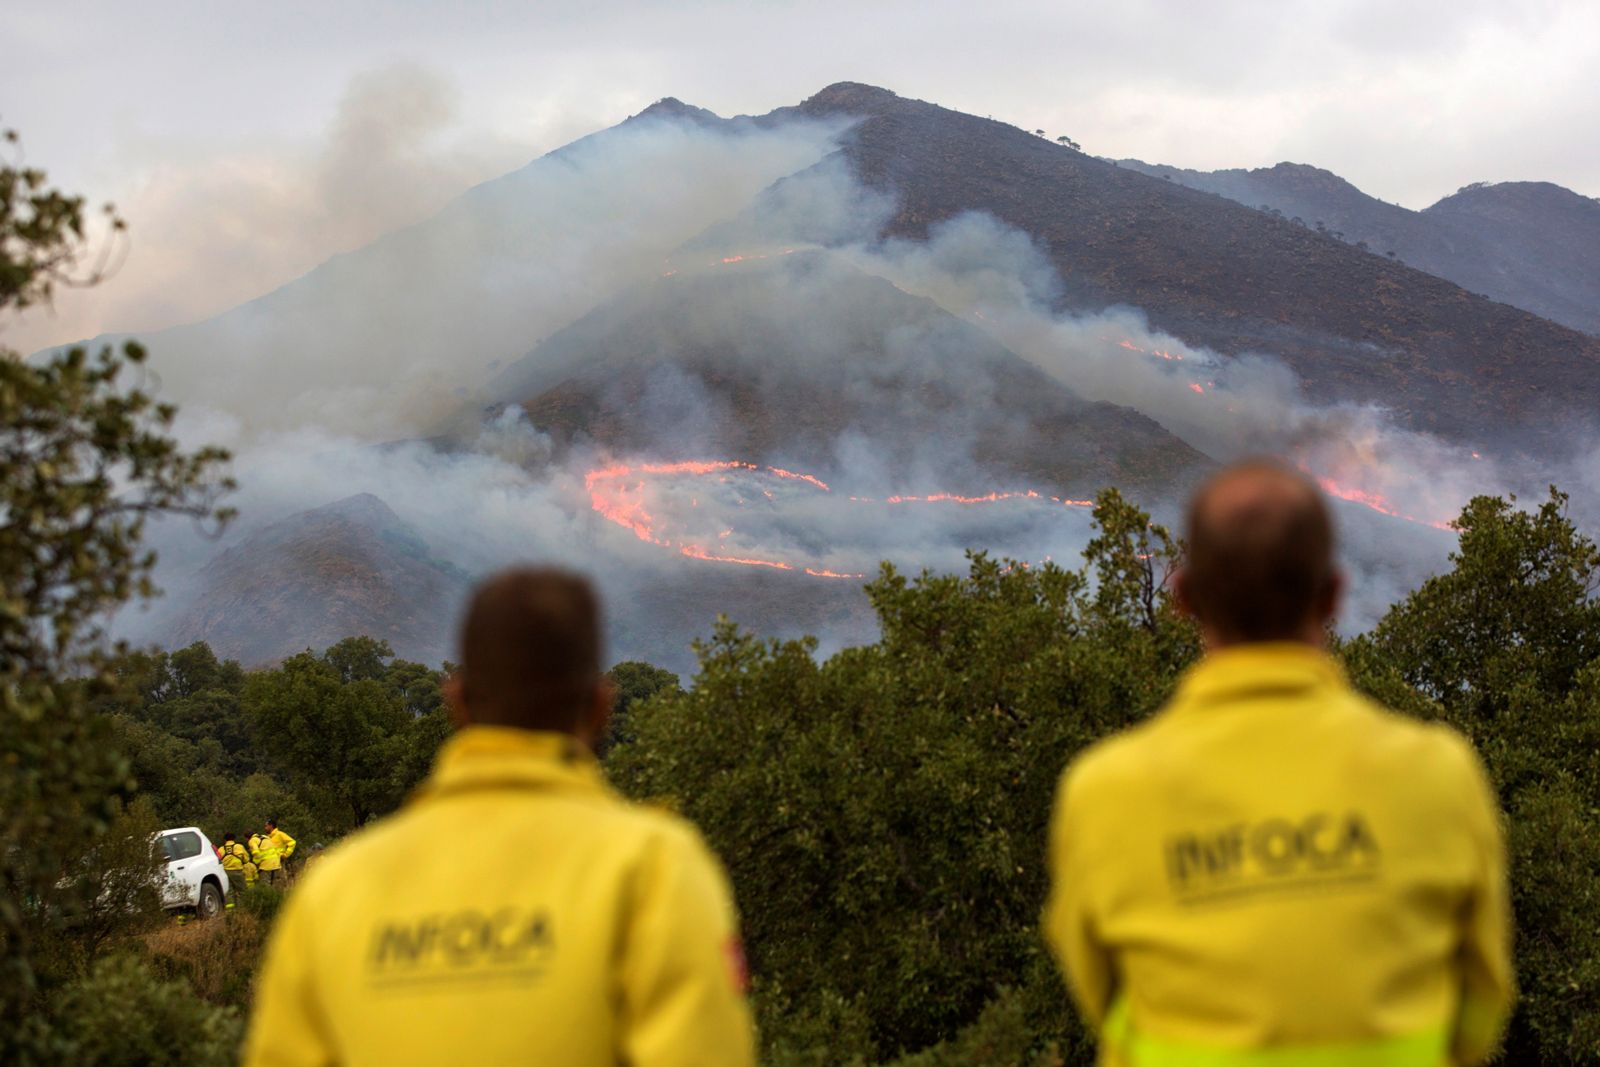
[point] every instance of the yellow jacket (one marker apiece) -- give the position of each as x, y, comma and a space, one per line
515, 911
266, 852
282, 841
1274, 870
233, 855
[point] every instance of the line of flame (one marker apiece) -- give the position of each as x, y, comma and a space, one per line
619, 507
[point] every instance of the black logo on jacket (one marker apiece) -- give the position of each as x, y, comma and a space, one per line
1319, 851
464, 946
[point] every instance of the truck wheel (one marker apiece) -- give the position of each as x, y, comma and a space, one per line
210, 904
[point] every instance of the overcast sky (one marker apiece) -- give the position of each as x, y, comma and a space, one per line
246, 143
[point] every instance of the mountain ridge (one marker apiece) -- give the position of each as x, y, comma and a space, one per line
1534, 245
1353, 326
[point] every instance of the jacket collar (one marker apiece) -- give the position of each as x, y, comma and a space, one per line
501, 757
1269, 668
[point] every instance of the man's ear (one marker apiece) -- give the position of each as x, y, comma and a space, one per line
455, 701
598, 717
1180, 593
1332, 598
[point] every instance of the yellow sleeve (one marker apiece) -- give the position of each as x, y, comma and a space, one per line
1069, 920
1487, 983
287, 1027
287, 844
683, 998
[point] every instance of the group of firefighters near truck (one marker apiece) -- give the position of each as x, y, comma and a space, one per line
264, 855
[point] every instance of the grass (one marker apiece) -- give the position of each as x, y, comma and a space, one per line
218, 956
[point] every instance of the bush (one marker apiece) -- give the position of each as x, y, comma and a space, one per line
261, 901
123, 1015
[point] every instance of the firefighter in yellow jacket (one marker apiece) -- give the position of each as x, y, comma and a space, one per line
517, 910
268, 856
281, 843
1274, 870
237, 864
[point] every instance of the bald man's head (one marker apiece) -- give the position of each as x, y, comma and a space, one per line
1260, 555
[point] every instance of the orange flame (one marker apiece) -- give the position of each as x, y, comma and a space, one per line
1376, 501
616, 494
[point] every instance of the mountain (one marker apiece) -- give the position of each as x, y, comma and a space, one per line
378, 337
779, 359
1533, 245
426, 313
593, 290
1549, 240
348, 568
1353, 325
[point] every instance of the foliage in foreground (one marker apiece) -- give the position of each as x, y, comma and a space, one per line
122, 1015
85, 458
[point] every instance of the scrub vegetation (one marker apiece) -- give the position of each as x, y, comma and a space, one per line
882, 812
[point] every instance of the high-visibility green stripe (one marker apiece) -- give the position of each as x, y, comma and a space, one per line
1425, 1049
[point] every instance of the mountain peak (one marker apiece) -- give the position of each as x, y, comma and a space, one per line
361, 507
670, 107
853, 97
1526, 195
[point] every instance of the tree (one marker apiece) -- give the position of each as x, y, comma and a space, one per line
1516, 614
85, 459
348, 731
635, 682
1506, 646
334, 740
355, 658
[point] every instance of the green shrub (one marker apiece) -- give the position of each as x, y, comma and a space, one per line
122, 1015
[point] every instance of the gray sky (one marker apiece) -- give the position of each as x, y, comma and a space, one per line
246, 143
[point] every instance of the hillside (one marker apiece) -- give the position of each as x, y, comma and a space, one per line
779, 360
1353, 325
1533, 245
350, 567
1549, 240
428, 312
371, 338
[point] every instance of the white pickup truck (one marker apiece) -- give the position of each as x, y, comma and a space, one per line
194, 877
